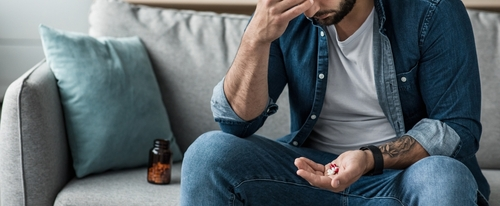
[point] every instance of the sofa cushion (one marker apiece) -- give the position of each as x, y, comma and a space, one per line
125, 187
111, 100
486, 27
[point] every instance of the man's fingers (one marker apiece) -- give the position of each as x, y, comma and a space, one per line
271, 18
304, 163
297, 9
285, 5
315, 179
344, 179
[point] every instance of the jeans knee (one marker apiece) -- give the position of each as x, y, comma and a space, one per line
440, 177
206, 164
440, 169
217, 149
204, 157
207, 147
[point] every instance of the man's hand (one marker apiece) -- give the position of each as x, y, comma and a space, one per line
352, 165
398, 154
271, 18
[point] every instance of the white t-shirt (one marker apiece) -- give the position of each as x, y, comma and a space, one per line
351, 116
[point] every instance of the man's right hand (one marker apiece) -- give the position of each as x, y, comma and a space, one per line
271, 18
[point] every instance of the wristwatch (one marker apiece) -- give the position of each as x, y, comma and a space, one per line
378, 160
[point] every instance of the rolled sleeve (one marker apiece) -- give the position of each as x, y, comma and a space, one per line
436, 137
220, 106
229, 121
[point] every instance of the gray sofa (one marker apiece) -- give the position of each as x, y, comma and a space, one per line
190, 52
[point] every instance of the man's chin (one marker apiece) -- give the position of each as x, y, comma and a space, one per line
326, 21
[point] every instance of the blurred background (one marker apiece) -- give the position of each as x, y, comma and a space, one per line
21, 48
20, 45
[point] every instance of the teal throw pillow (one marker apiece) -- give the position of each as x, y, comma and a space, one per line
111, 100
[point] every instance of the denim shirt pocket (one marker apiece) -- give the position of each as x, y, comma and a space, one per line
411, 98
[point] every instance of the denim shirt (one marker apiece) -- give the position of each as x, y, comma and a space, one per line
426, 76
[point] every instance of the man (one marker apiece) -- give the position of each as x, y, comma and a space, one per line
385, 104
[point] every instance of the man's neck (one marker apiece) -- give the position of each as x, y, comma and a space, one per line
354, 19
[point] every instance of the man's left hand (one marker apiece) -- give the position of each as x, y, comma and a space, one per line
352, 165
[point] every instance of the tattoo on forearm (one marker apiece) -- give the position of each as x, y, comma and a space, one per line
399, 147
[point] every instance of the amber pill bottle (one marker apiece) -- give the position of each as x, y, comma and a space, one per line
160, 162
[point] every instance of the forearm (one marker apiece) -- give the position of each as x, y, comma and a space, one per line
245, 84
427, 137
398, 154
402, 153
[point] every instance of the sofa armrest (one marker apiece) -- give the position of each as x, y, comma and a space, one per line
35, 162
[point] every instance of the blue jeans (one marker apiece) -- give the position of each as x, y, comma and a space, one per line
221, 169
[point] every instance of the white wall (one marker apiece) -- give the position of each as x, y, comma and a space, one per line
20, 45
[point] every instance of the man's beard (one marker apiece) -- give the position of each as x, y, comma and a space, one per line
345, 7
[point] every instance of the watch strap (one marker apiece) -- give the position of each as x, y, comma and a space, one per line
378, 160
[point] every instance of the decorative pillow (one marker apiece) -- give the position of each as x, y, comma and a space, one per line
112, 103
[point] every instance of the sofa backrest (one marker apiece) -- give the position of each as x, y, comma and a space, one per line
191, 52
486, 27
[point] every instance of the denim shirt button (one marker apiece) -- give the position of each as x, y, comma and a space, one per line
322, 33
321, 76
295, 143
313, 116
403, 79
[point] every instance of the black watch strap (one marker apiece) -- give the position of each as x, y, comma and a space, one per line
378, 160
